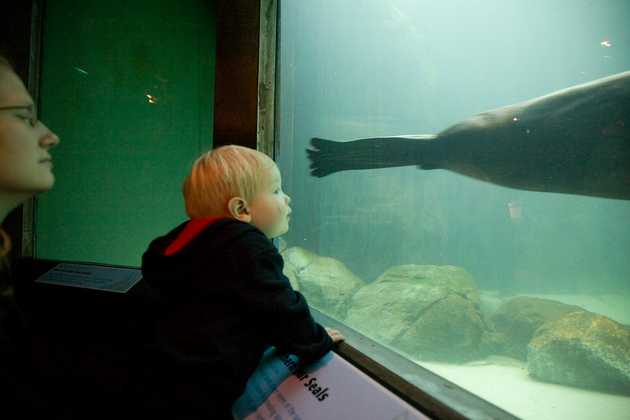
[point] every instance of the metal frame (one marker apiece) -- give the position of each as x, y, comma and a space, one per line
265, 138
236, 75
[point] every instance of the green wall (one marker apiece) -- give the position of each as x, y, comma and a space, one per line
122, 158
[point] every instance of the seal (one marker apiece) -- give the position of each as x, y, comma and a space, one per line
572, 141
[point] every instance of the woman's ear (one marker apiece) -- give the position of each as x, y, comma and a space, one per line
238, 209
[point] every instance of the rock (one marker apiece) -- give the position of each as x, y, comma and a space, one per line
450, 330
489, 303
493, 343
296, 259
454, 279
326, 282
582, 349
427, 312
516, 321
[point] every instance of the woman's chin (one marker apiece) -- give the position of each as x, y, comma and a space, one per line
45, 184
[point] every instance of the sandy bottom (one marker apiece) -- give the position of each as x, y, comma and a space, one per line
505, 383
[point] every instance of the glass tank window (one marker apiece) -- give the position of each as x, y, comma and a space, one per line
460, 183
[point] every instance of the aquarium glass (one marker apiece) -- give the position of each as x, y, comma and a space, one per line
518, 295
128, 87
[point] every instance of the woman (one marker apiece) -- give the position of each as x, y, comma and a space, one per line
25, 170
25, 142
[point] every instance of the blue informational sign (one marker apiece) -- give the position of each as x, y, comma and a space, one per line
111, 279
330, 389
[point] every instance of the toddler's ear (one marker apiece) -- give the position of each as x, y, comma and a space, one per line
239, 209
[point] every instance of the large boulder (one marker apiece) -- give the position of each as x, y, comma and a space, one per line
516, 321
582, 349
428, 312
326, 282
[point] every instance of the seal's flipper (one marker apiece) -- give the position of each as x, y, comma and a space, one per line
325, 157
329, 156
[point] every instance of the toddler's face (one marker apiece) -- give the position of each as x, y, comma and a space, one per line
269, 208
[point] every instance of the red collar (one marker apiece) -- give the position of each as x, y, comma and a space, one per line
192, 229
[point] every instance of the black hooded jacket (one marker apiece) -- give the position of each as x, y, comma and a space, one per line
224, 301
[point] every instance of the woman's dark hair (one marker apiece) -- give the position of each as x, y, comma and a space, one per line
5, 62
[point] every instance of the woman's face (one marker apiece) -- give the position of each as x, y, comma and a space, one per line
25, 161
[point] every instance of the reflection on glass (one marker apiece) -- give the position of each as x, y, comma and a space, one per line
151, 98
516, 292
145, 103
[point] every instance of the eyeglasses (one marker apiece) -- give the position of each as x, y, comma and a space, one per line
32, 118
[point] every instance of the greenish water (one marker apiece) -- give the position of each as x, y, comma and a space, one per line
371, 68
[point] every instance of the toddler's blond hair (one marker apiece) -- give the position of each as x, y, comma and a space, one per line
221, 174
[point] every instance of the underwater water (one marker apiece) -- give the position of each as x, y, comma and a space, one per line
522, 297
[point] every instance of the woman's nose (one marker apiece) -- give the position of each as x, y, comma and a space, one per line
287, 198
48, 139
